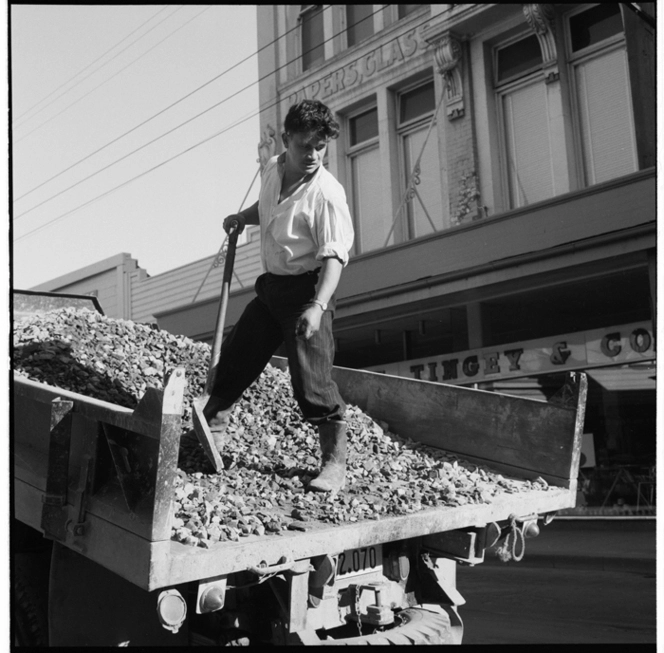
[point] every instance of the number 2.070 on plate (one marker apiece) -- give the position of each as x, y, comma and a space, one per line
359, 561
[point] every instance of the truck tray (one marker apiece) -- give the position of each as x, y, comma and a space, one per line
99, 478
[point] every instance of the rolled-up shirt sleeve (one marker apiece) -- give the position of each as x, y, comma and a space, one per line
334, 229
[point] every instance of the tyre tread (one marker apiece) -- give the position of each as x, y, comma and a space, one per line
419, 627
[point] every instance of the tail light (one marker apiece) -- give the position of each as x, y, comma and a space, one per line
172, 610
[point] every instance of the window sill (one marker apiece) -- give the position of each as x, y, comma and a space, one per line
476, 223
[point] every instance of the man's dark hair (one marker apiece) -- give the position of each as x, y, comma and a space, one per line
311, 116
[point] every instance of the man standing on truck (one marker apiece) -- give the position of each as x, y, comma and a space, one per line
306, 236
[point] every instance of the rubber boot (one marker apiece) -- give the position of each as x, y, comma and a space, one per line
333, 445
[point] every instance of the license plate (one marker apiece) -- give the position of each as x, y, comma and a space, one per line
359, 561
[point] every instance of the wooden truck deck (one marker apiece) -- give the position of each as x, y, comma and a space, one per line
65, 486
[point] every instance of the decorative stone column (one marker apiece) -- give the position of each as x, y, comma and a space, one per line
448, 57
463, 197
541, 19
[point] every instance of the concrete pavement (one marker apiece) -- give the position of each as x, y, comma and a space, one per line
614, 543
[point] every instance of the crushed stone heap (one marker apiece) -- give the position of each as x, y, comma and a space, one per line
271, 452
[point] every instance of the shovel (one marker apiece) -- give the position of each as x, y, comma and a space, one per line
201, 426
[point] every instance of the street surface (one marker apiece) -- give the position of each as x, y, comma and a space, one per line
508, 604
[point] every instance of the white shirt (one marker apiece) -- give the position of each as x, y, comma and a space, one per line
312, 224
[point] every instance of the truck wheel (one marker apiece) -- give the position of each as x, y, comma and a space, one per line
30, 604
417, 626
234, 637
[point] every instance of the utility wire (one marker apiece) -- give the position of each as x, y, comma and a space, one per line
113, 76
18, 126
163, 135
176, 156
184, 123
126, 156
142, 174
188, 95
138, 149
91, 64
237, 123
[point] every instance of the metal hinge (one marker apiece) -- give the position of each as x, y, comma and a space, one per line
77, 524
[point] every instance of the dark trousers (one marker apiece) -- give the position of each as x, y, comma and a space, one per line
268, 321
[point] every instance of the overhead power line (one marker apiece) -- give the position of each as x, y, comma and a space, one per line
113, 76
142, 174
162, 111
126, 156
92, 64
170, 131
237, 123
176, 156
154, 140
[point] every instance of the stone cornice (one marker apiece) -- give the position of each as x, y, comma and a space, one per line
448, 55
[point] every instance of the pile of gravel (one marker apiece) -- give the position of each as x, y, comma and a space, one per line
271, 452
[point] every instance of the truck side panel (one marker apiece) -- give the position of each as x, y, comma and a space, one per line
523, 436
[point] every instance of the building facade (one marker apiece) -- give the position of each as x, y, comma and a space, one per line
499, 165
126, 291
110, 281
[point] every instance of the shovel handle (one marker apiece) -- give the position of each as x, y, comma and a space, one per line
233, 233
223, 305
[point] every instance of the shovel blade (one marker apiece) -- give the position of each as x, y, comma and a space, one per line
202, 429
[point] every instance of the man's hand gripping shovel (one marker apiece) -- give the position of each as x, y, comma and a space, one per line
201, 426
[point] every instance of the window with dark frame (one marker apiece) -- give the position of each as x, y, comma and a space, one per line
601, 93
416, 107
523, 107
518, 59
364, 127
407, 10
359, 23
595, 25
313, 35
601, 115
366, 180
416, 103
